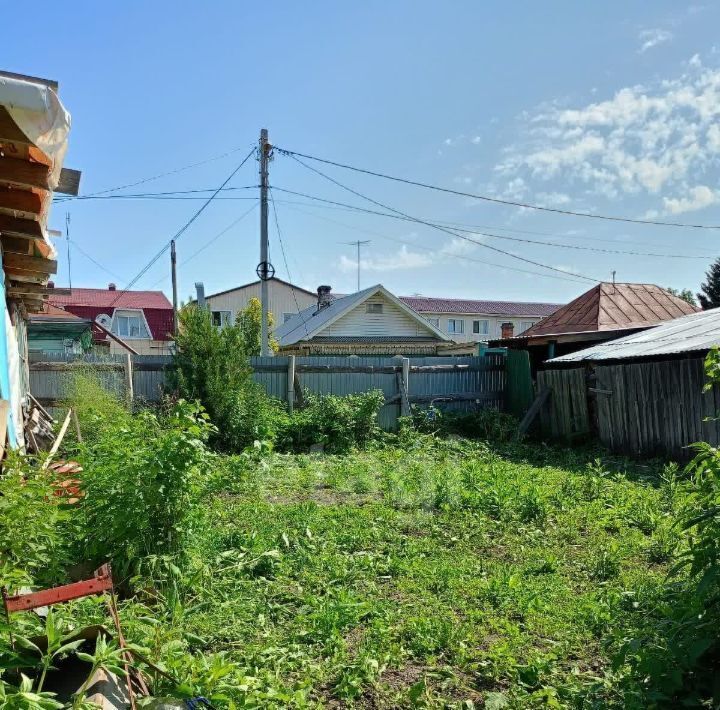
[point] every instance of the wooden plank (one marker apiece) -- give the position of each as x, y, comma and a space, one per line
20, 227
22, 289
75, 365
24, 201
534, 410
69, 182
58, 440
23, 263
23, 172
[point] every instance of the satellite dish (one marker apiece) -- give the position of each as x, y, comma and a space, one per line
104, 320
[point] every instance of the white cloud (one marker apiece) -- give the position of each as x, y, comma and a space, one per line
552, 199
401, 260
652, 38
644, 140
698, 197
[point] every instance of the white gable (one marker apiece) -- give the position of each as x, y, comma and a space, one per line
364, 320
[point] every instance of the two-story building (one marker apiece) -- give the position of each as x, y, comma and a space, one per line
141, 319
468, 320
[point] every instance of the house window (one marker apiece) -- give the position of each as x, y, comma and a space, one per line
130, 324
434, 321
481, 327
220, 318
456, 325
287, 317
374, 308
524, 325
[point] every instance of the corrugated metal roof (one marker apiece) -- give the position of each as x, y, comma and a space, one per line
613, 306
691, 333
308, 322
425, 304
107, 298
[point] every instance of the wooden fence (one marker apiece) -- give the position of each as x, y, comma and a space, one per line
451, 382
640, 408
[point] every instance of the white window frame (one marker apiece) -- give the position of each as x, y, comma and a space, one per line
480, 330
526, 325
434, 321
224, 321
452, 329
374, 308
122, 313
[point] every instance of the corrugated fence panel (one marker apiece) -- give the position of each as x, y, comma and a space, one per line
472, 381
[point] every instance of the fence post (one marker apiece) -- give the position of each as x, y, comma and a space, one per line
405, 396
291, 384
129, 392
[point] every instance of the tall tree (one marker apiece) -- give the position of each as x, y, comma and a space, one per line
710, 290
686, 294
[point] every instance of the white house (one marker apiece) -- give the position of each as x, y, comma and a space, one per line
469, 320
286, 300
370, 322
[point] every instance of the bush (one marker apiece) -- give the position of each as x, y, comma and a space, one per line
31, 530
481, 424
137, 481
338, 423
211, 365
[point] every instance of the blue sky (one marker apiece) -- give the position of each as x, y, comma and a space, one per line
609, 107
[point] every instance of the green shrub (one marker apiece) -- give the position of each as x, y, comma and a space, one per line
137, 480
481, 424
338, 423
31, 525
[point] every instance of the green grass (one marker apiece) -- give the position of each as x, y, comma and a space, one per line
430, 575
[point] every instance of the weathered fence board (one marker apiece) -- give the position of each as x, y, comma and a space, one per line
565, 414
457, 383
642, 408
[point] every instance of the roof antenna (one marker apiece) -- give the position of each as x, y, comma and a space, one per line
67, 239
613, 275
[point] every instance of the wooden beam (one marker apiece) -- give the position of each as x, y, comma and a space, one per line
69, 183
21, 289
20, 227
20, 201
23, 172
534, 410
22, 262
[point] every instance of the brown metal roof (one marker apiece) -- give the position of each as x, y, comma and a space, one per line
610, 306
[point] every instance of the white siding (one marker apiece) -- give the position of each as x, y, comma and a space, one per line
393, 321
281, 300
494, 324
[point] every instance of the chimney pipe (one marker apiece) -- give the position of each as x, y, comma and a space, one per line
324, 298
51, 284
506, 330
200, 292
112, 287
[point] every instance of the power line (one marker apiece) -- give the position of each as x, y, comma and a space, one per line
460, 257
212, 240
182, 229
169, 195
287, 268
154, 177
94, 260
486, 198
438, 227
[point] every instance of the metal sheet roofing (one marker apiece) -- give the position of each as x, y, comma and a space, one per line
110, 298
423, 304
696, 332
309, 322
613, 306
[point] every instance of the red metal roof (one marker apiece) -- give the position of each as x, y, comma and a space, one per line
610, 306
107, 298
423, 304
91, 302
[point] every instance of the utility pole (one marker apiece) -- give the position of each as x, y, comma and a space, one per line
173, 273
67, 240
359, 243
264, 270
